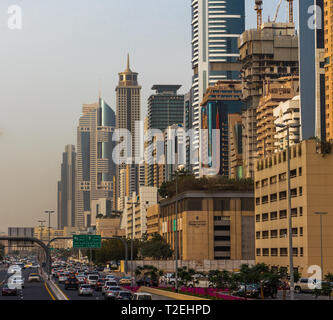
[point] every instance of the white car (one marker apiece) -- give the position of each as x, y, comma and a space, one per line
62, 278
16, 281
142, 296
92, 279
108, 284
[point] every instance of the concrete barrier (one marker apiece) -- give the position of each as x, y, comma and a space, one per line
169, 294
58, 294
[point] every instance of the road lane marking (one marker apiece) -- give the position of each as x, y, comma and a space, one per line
48, 290
61, 291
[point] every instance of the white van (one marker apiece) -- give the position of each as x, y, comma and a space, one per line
142, 296
16, 281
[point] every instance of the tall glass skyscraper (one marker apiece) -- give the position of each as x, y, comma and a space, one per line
95, 167
216, 27
312, 68
66, 189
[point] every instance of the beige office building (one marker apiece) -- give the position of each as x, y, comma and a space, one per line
109, 227
211, 225
311, 191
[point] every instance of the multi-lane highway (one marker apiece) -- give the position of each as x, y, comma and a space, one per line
31, 291
40, 290
97, 295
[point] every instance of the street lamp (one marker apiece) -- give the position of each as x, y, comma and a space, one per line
49, 213
321, 214
180, 167
291, 253
132, 271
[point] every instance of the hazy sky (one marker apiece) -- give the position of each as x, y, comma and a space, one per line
66, 51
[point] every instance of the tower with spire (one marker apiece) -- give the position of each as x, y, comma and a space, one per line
128, 112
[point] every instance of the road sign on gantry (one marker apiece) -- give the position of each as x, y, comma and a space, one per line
85, 241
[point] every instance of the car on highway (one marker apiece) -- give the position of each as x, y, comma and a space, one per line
142, 296
62, 278
85, 290
16, 281
92, 279
125, 281
110, 295
81, 278
71, 283
6, 291
110, 277
111, 292
100, 284
124, 295
34, 277
108, 284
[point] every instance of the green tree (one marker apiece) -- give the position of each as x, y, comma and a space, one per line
114, 250
156, 248
185, 276
187, 181
219, 279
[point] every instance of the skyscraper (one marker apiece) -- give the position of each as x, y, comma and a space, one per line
328, 23
95, 166
312, 71
220, 100
66, 189
128, 113
216, 27
165, 108
269, 52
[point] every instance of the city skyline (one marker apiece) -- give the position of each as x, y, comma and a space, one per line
44, 91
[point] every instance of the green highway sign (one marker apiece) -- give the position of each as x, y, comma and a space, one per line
84, 241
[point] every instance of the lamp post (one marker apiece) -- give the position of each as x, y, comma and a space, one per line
132, 243
49, 213
291, 253
321, 214
180, 167
41, 228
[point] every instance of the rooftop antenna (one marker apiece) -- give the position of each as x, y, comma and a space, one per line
258, 8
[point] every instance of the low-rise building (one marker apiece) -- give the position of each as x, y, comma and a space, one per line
136, 211
109, 227
217, 225
311, 174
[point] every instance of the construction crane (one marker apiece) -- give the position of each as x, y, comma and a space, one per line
258, 8
291, 10
277, 11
